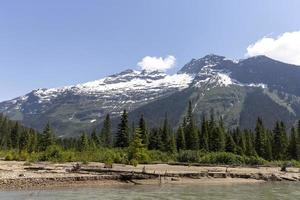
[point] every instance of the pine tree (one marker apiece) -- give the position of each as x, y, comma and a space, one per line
15, 136
191, 135
250, 150
211, 128
240, 141
298, 140
137, 151
24, 140
143, 129
293, 146
83, 144
180, 139
155, 141
106, 135
95, 139
6, 143
260, 138
46, 138
172, 147
230, 144
280, 141
284, 138
33, 141
165, 134
268, 146
217, 140
204, 135
132, 131
122, 139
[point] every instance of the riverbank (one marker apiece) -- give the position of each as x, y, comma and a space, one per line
22, 175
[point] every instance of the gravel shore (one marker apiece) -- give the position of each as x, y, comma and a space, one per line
21, 175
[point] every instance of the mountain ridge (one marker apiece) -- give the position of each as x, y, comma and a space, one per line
212, 81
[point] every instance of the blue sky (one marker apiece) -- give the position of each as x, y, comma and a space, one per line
61, 42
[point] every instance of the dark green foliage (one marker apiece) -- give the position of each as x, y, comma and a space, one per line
190, 156
15, 136
268, 146
166, 135
95, 140
239, 138
204, 134
250, 146
190, 131
298, 140
122, 139
24, 140
33, 142
52, 153
227, 158
230, 144
46, 138
155, 140
217, 146
83, 144
259, 138
143, 129
173, 147
106, 135
293, 148
180, 138
280, 141
217, 141
137, 150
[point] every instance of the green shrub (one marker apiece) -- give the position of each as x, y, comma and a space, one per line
23, 156
156, 156
52, 153
190, 156
9, 156
254, 160
222, 158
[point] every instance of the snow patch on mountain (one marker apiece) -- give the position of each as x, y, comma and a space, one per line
209, 75
179, 81
123, 84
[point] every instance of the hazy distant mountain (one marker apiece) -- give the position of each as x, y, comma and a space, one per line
237, 90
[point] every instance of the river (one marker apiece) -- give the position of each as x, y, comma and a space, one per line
262, 191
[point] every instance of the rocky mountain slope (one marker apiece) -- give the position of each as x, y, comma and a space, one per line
237, 90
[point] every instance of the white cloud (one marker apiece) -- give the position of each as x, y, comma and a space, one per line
285, 48
149, 63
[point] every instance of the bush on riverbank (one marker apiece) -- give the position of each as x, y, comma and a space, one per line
120, 155
188, 156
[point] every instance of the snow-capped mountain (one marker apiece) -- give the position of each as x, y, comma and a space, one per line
231, 88
126, 88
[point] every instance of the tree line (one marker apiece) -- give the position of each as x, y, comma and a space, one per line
211, 136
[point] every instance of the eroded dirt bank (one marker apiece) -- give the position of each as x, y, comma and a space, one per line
20, 175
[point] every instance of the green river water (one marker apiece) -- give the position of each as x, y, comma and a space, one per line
263, 191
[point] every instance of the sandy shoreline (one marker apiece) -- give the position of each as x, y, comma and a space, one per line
19, 175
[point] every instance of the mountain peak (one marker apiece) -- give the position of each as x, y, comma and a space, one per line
195, 65
213, 57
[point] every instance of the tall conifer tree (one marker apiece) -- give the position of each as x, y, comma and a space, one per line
260, 138
293, 146
122, 139
143, 130
204, 136
106, 135
180, 139
47, 138
191, 135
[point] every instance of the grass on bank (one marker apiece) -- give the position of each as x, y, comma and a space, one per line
117, 155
